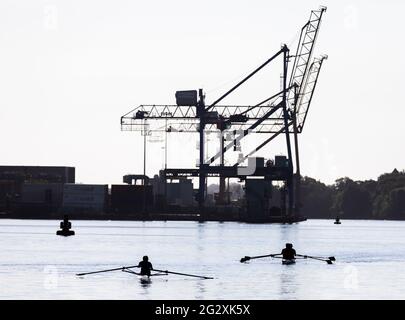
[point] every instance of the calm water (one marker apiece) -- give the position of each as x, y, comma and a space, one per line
37, 264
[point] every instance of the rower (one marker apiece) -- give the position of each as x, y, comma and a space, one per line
288, 252
145, 266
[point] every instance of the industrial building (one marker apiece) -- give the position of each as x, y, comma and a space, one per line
178, 192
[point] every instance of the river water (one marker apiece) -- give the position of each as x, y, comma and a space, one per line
37, 264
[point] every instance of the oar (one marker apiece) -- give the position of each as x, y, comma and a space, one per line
182, 274
327, 260
247, 258
108, 270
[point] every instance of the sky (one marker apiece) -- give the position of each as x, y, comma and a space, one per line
70, 69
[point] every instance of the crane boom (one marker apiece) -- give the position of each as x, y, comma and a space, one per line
309, 33
304, 100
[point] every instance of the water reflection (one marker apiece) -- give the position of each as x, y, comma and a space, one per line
200, 289
201, 237
145, 282
288, 282
200, 248
288, 233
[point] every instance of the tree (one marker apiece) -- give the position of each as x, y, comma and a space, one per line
352, 199
389, 201
316, 198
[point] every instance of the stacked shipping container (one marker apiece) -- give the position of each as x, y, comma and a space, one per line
84, 198
131, 198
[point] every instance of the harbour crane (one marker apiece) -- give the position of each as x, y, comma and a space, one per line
283, 113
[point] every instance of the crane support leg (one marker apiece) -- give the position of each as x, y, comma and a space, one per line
202, 173
290, 182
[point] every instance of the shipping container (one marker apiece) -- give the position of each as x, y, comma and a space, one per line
9, 189
131, 198
180, 193
42, 193
84, 197
38, 174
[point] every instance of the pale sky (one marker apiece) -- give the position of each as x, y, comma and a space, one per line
70, 69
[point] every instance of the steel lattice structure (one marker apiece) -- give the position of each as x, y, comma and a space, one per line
185, 119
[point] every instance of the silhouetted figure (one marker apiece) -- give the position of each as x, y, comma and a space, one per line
337, 221
288, 252
65, 225
145, 266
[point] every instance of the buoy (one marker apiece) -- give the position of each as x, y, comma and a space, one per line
65, 225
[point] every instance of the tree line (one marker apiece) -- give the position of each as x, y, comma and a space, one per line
349, 199
383, 198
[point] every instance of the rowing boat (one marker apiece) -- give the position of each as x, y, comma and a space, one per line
144, 277
288, 261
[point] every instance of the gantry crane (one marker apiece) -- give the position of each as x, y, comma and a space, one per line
284, 113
